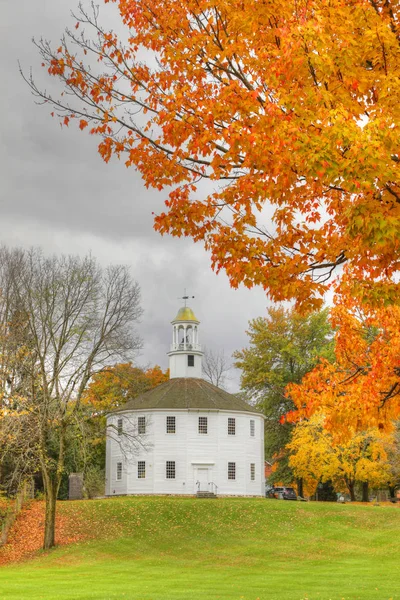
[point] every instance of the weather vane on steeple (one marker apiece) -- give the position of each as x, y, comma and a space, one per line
185, 296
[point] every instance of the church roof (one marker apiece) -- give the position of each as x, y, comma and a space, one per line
185, 314
187, 393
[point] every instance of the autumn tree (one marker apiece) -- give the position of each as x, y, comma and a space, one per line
289, 109
291, 105
317, 457
75, 318
357, 389
17, 460
283, 347
114, 385
108, 390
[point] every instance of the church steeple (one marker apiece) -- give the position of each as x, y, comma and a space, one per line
185, 354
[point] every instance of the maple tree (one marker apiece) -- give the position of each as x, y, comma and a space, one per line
108, 390
361, 387
283, 347
288, 108
113, 386
315, 456
290, 111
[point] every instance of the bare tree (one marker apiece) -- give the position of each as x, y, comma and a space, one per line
16, 449
10, 338
215, 367
74, 319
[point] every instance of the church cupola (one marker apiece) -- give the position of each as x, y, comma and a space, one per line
185, 354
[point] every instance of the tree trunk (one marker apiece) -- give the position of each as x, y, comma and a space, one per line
300, 491
392, 492
365, 491
50, 519
350, 485
52, 480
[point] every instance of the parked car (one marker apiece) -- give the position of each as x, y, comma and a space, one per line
269, 491
283, 493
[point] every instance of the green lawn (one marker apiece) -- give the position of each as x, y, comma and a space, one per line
244, 549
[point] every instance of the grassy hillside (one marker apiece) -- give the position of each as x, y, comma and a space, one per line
189, 549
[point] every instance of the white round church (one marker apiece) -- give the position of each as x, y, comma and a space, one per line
185, 436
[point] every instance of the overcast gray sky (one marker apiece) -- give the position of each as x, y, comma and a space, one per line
57, 192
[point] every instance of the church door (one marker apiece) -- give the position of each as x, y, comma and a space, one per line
202, 478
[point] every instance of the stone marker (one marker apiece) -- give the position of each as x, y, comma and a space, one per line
75, 488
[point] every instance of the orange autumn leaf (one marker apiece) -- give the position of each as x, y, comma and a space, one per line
361, 389
114, 386
272, 100
289, 110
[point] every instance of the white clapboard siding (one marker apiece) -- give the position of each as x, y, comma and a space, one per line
196, 455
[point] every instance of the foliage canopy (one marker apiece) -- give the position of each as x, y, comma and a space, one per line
113, 386
361, 388
287, 105
316, 457
289, 110
283, 347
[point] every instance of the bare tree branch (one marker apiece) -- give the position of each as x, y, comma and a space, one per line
215, 367
62, 319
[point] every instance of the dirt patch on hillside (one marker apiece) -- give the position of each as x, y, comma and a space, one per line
26, 535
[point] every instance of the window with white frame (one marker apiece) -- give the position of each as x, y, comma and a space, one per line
120, 426
252, 471
171, 425
190, 360
252, 427
231, 470
141, 469
203, 424
141, 425
231, 426
170, 469
119, 471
